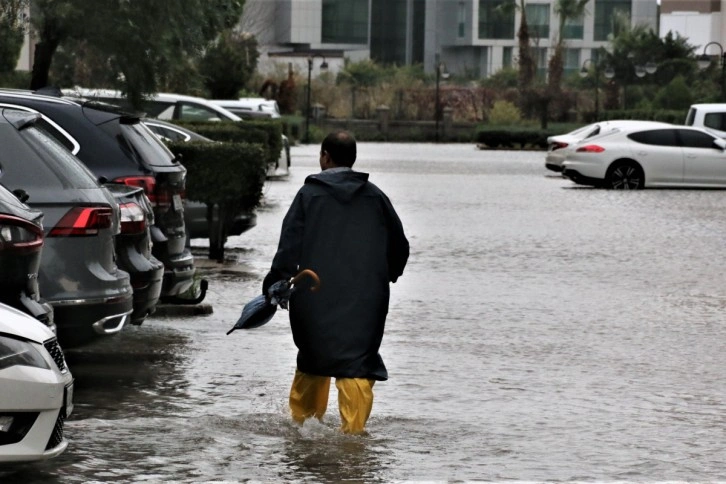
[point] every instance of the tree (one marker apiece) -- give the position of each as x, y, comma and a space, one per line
12, 25
140, 41
566, 10
228, 64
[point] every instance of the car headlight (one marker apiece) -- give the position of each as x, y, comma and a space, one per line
16, 352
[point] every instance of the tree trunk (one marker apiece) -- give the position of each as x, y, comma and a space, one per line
44, 51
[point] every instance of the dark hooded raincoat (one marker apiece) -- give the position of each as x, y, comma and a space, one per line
345, 229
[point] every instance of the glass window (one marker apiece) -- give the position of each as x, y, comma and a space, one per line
605, 13
696, 139
658, 137
540, 57
574, 28
507, 56
146, 146
195, 112
571, 60
494, 22
389, 25
345, 21
714, 120
462, 20
538, 20
66, 167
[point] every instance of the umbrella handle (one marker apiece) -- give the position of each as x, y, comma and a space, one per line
309, 273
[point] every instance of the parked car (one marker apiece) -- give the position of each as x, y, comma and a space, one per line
36, 389
78, 274
118, 148
561, 145
178, 107
196, 213
711, 116
250, 107
675, 156
21, 243
133, 249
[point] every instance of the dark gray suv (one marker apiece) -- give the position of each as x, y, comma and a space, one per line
118, 148
78, 274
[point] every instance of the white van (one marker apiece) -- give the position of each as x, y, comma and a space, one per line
710, 116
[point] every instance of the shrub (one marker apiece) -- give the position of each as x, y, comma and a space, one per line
229, 175
504, 113
265, 132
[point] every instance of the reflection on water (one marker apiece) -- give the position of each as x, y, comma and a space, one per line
541, 331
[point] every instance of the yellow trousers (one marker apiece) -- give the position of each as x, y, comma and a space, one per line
309, 398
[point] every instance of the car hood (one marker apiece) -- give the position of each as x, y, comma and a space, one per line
15, 323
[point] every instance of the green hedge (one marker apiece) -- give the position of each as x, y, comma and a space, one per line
267, 133
229, 173
521, 138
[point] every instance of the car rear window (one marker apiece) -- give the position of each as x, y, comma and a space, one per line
146, 145
56, 157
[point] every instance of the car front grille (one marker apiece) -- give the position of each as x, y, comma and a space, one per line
55, 351
57, 436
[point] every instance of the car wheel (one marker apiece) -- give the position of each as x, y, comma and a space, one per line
625, 175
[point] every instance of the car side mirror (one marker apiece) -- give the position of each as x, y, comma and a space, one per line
720, 143
102, 180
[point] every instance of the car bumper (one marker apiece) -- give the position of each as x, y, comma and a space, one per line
178, 275
147, 290
581, 179
82, 320
37, 410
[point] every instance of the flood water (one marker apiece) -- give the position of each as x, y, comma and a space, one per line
541, 331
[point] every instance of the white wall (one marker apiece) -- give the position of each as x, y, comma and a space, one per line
699, 29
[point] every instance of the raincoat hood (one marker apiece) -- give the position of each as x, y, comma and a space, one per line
342, 185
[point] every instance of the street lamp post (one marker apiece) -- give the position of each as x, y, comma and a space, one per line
323, 66
440, 74
640, 71
583, 74
704, 61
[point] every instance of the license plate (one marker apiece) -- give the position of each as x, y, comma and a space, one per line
68, 400
176, 202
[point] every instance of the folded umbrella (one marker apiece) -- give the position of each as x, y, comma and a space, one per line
262, 308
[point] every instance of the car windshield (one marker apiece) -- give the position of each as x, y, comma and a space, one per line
147, 145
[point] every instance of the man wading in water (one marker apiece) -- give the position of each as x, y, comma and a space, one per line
345, 229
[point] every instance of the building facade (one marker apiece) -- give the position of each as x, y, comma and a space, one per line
472, 37
701, 21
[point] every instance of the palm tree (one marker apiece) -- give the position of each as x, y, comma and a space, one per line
565, 10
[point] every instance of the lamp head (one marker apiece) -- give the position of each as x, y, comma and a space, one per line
703, 61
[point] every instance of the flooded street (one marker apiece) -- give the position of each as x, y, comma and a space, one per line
541, 331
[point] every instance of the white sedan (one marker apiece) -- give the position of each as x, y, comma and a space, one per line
36, 389
673, 156
562, 145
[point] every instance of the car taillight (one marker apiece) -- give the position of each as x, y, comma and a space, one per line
558, 145
82, 221
157, 195
590, 149
19, 235
133, 218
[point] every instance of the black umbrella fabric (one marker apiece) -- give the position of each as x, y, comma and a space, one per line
261, 309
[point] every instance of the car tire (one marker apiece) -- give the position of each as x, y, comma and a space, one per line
625, 175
